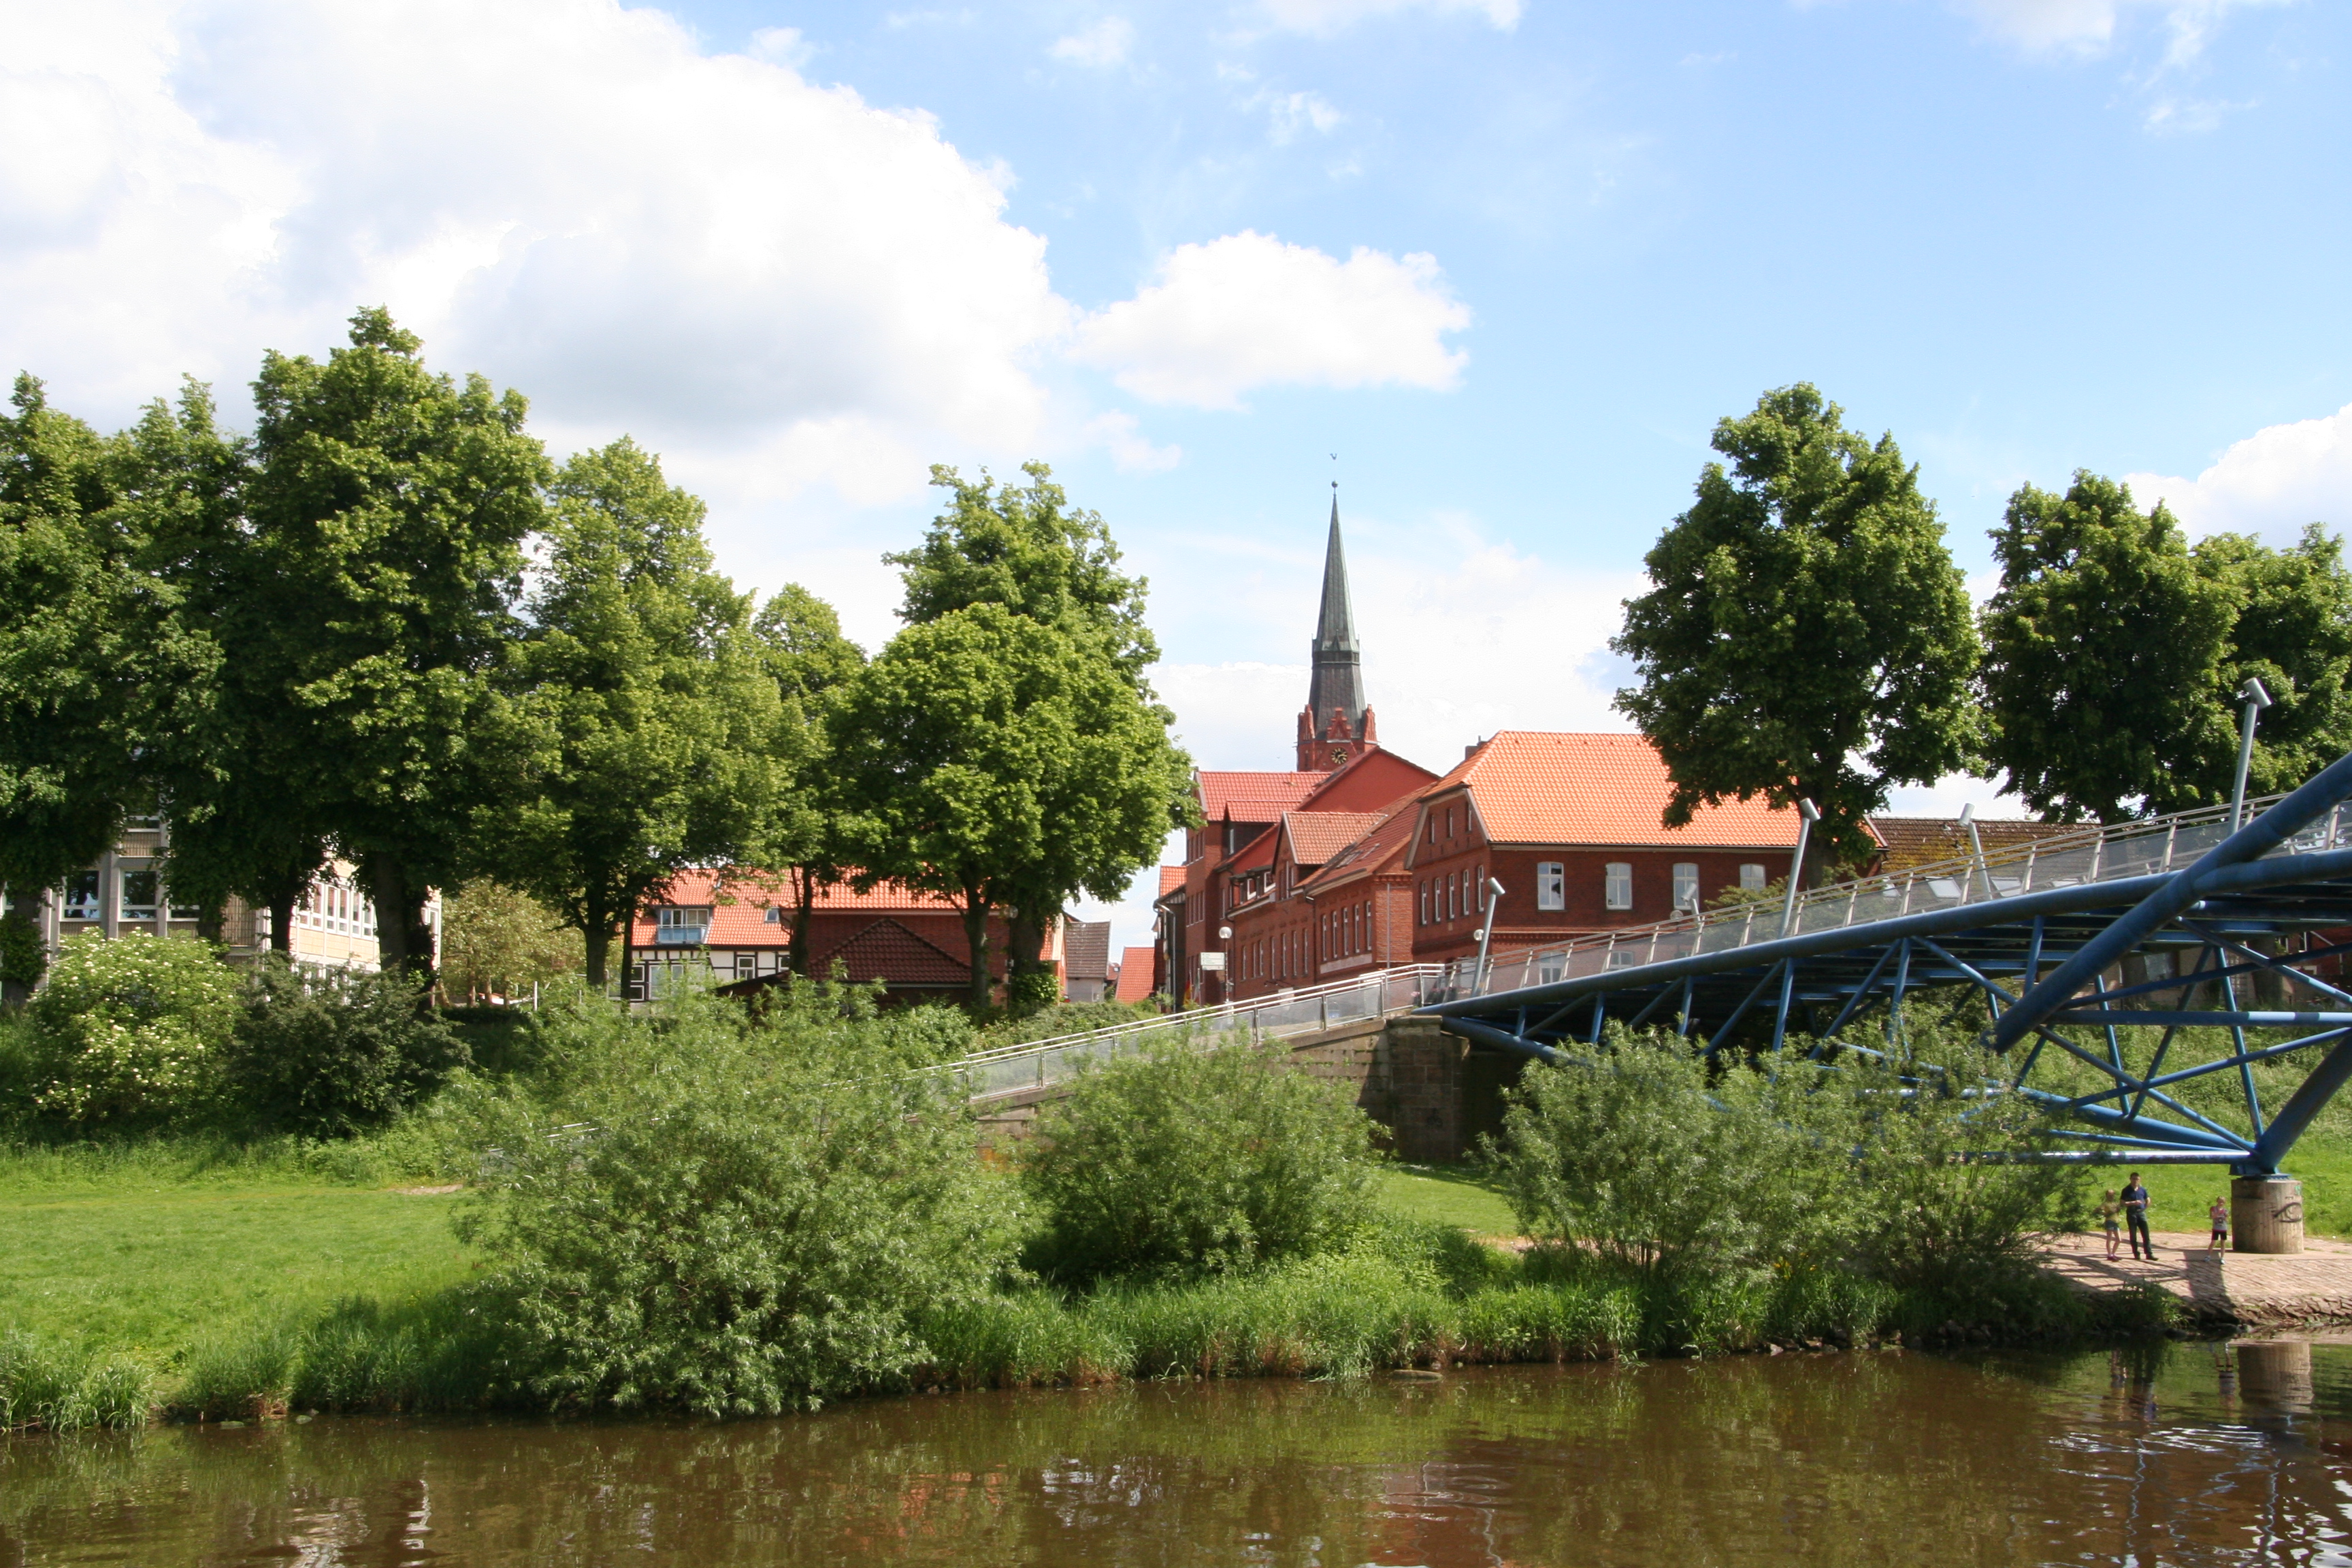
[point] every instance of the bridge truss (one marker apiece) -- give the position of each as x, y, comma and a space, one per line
2130, 972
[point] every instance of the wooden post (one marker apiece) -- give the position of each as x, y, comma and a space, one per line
2265, 1214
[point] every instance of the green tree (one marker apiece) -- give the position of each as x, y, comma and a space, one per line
641, 694
799, 641
2106, 646
2294, 632
495, 941
1024, 549
388, 516
92, 662
220, 762
1806, 634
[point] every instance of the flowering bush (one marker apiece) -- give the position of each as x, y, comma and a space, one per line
131, 1029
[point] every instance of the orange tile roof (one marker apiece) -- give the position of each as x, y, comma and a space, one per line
1921, 840
1316, 836
1171, 878
739, 909
1536, 786
1252, 798
1370, 852
1134, 975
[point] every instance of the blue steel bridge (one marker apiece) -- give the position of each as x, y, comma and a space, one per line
2190, 930
2193, 930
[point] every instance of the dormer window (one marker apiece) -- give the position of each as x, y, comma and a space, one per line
682, 925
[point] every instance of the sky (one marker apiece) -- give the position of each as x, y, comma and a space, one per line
1497, 267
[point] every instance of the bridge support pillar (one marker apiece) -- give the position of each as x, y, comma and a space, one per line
2265, 1214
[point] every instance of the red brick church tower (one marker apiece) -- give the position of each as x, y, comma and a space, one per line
1335, 725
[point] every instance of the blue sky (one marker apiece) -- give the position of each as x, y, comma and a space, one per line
1508, 260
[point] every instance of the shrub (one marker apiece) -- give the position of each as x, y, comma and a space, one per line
1187, 1162
329, 1053
738, 1217
131, 1030
1881, 1163
1636, 1148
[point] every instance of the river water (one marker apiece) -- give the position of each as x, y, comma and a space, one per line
2185, 1453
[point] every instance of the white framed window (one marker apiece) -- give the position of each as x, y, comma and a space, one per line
138, 896
81, 897
1551, 885
1479, 893
1686, 884
681, 925
1752, 878
1617, 885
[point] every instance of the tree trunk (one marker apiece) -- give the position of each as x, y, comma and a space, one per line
1026, 937
975, 936
283, 902
804, 887
596, 931
403, 941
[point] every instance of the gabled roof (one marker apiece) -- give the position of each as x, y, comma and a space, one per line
888, 951
1257, 852
1134, 975
1171, 878
1370, 851
1533, 786
1252, 798
1085, 949
1316, 835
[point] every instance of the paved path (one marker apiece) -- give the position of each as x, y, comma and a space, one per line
2253, 1288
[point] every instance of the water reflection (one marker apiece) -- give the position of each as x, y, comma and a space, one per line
2181, 1454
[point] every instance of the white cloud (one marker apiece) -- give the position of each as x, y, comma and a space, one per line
1326, 17
1116, 433
2270, 484
1293, 112
1247, 310
708, 250
2086, 27
1097, 47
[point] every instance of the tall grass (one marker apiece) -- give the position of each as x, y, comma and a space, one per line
61, 1387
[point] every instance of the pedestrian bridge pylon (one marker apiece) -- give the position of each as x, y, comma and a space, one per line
2175, 986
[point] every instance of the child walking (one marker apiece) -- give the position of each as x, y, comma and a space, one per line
2219, 1215
2111, 1220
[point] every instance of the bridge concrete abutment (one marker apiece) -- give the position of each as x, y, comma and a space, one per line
1430, 1091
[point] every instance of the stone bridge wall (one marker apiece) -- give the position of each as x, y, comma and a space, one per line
1429, 1091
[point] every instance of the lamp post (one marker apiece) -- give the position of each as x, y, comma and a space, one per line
1486, 932
1975, 847
1807, 815
2256, 699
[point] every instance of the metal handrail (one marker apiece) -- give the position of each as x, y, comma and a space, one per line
2097, 853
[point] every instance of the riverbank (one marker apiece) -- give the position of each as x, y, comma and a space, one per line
2220, 1290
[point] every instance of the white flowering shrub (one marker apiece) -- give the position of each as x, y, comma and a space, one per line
132, 1030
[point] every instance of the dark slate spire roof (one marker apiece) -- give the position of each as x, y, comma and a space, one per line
1339, 679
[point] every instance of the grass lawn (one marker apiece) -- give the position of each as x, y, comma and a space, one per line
157, 1248
1450, 1194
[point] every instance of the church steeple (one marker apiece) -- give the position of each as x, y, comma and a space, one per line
1335, 724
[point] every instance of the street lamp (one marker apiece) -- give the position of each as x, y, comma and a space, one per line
2255, 699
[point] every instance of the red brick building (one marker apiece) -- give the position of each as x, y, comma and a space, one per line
911, 941
1343, 772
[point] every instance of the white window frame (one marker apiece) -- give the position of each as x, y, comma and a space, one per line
140, 913
74, 905
1551, 885
1753, 877
1617, 885
1686, 884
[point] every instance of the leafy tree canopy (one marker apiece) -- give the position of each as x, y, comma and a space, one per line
1806, 634
389, 510
1026, 548
640, 698
2114, 652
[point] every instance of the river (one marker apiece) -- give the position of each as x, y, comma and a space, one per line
2182, 1454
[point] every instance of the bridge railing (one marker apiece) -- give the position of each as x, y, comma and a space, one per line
1041, 1064
2107, 853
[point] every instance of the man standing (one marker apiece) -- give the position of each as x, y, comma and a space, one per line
2136, 1217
